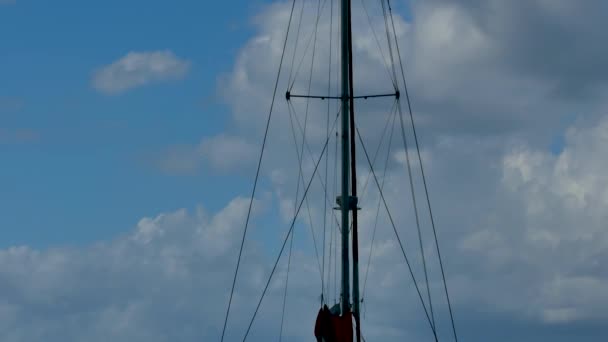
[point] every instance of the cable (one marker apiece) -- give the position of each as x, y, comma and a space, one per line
388, 153
409, 266
286, 237
426, 191
390, 47
295, 49
369, 20
336, 234
312, 158
257, 174
313, 34
301, 178
325, 213
416, 216
312, 63
286, 283
377, 152
412, 189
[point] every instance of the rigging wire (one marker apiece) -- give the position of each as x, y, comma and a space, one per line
369, 20
337, 294
390, 46
312, 158
426, 191
411, 183
257, 173
388, 153
313, 34
311, 223
301, 178
292, 235
416, 216
409, 266
286, 283
377, 152
295, 49
408, 162
336, 233
289, 232
325, 213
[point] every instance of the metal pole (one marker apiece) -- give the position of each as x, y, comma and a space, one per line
353, 167
344, 201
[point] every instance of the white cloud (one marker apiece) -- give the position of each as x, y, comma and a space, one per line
138, 69
228, 152
164, 281
221, 153
168, 278
509, 218
522, 228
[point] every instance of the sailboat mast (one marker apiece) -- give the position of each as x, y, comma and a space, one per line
345, 198
353, 167
348, 200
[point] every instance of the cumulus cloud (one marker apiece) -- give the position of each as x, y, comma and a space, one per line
536, 256
221, 153
521, 226
488, 81
226, 152
137, 69
164, 281
556, 240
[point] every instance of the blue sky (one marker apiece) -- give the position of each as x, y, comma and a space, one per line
86, 175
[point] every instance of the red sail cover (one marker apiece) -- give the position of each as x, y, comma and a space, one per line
333, 328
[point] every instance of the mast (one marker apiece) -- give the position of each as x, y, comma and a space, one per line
348, 202
344, 200
353, 165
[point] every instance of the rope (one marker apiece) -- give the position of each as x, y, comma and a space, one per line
325, 212
295, 49
301, 178
369, 20
312, 63
416, 216
388, 153
337, 225
286, 283
313, 34
388, 40
426, 191
377, 152
257, 174
286, 237
312, 158
409, 266
410, 176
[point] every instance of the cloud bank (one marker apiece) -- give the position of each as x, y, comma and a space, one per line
522, 225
